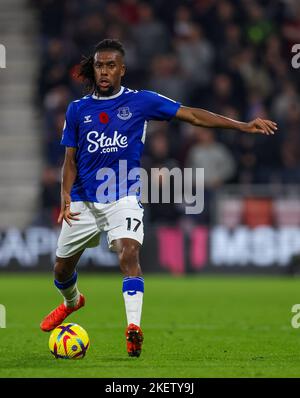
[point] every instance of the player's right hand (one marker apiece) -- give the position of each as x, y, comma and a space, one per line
66, 214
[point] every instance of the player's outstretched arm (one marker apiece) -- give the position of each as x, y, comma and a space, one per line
69, 172
201, 117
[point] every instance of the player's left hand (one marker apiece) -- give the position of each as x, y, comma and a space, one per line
261, 126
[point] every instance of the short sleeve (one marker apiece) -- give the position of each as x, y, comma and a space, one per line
69, 135
157, 106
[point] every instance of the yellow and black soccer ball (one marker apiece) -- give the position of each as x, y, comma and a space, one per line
69, 341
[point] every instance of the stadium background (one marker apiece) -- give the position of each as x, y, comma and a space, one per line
232, 58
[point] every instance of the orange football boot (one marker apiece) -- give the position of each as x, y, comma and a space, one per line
57, 316
134, 340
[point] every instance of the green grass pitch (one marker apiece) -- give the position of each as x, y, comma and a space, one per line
194, 326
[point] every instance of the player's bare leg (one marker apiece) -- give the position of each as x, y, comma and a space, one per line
66, 282
133, 290
128, 254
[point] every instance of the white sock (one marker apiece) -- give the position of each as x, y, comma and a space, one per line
71, 296
69, 290
133, 292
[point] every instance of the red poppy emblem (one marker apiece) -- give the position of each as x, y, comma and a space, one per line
103, 117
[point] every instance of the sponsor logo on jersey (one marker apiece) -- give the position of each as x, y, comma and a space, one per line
105, 143
124, 113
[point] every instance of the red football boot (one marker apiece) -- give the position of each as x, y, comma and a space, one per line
134, 337
57, 316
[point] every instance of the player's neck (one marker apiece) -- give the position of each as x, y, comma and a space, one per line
115, 93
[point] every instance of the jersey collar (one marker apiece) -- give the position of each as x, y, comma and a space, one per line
111, 97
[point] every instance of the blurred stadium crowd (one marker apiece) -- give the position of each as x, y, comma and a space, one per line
229, 57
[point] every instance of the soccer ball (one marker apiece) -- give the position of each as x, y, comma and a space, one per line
69, 341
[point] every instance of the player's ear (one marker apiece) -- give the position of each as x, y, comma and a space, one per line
123, 70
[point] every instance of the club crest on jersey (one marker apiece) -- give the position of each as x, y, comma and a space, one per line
124, 113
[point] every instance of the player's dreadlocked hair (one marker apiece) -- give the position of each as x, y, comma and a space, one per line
86, 71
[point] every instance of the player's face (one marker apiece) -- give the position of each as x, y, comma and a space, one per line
109, 69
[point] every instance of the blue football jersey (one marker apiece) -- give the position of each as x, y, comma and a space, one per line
109, 134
